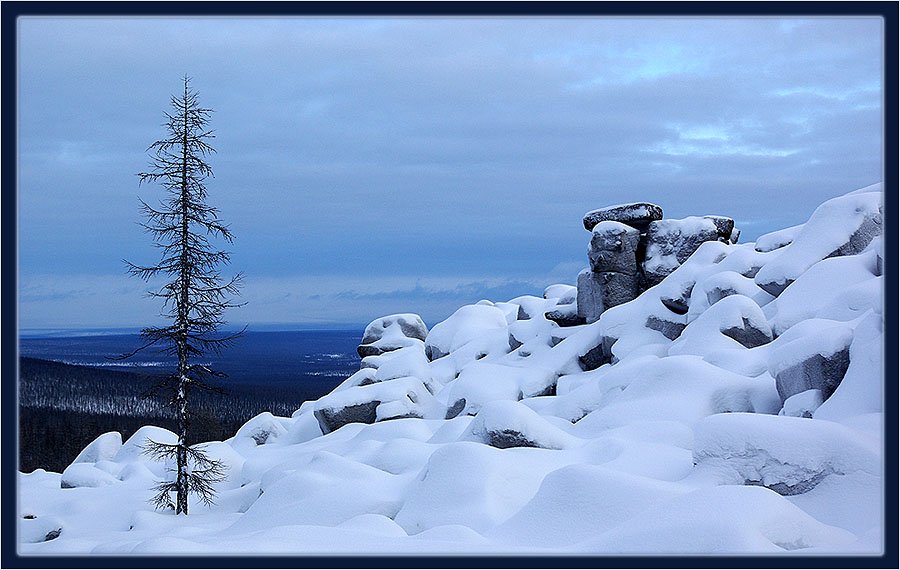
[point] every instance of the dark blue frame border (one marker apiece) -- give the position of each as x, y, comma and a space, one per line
11, 10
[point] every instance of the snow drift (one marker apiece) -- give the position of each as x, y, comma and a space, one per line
733, 407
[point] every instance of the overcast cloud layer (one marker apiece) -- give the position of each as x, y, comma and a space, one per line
370, 166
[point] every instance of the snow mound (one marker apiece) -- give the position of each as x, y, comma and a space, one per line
788, 455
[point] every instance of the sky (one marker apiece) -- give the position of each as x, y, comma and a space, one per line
372, 166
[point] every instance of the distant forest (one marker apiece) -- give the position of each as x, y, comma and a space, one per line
62, 408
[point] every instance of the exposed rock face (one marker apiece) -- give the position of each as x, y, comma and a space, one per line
637, 215
455, 409
506, 438
749, 335
632, 248
598, 292
817, 372
613, 247
678, 304
670, 329
564, 316
724, 227
798, 488
599, 355
728, 446
869, 228
331, 419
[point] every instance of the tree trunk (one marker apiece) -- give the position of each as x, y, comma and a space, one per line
181, 483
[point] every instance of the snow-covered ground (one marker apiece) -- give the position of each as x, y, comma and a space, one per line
751, 423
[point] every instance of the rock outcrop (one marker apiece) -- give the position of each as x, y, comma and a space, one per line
633, 248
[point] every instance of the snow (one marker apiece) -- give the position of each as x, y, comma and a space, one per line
859, 393
657, 429
777, 239
819, 288
835, 224
791, 455
482, 382
503, 419
466, 324
564, 294
103, 448
720, 520
829, 338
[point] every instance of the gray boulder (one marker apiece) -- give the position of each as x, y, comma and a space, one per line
598, 292
598, 355
749, 335
506, 438
718, 292
678, 304
637, 215
671, 329
816, 372
455, 409
724, 227
671, 242
332, 418
870, 227
564, 316
613, 247
410, 325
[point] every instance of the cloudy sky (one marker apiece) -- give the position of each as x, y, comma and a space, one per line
370, 166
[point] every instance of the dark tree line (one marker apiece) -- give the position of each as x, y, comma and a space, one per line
64, 407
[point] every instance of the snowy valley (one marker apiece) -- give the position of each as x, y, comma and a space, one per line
692, 395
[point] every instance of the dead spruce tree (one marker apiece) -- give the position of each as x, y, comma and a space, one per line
195, 295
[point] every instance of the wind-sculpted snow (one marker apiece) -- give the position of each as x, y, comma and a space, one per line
734, 407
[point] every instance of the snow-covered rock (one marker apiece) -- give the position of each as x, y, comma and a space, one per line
637, 215
391, 333
817, 360
504, 424
564, 294
735, 407
788, 455
465, 325
841, 226
397, 398
104, 448
671, 242
85, 475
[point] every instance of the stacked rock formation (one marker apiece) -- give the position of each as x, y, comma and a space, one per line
633, 248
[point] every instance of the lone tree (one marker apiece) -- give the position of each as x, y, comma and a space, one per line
195, 295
